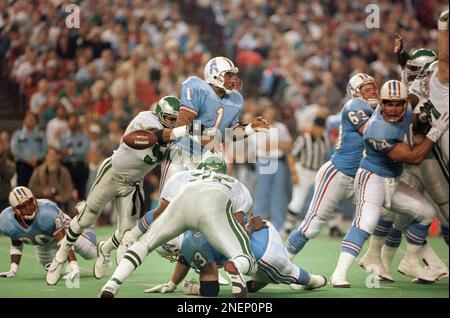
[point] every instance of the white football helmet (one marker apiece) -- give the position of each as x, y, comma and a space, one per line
171, 249
215, 71
394, 101
23, 202
354, 88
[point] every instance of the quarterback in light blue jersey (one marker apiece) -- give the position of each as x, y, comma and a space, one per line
41, 223
192, 250
334, 180
387, 146
213, 105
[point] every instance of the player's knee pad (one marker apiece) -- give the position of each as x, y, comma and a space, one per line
368, 217
209, 289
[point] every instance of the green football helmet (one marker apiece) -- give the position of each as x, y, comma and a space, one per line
415, 64
213, 163
168, 107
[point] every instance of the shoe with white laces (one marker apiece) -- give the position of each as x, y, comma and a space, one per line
102, 263
54, 271
238, 284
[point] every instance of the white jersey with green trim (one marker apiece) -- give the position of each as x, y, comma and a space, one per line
439, 99
134, 164
241, 200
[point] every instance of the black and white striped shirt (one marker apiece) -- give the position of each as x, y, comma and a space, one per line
310, 151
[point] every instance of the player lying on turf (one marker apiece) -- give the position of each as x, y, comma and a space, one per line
41, 223
207, 201
192, 250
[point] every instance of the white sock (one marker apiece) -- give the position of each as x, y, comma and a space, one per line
375, 245
387, 255
344, 263
412, 253
430, 256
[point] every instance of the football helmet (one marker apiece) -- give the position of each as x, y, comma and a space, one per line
24, 203
393, 101
213, 163
370, 94
168, 107
221, 72
415, 64
171, 249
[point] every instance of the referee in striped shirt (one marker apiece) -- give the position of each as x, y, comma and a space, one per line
309, 153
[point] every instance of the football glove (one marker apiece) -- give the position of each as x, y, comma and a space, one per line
162, 288
438, 127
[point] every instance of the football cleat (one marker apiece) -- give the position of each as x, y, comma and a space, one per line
409, 268
315, 281
238, 284
339, 282
108, 292
102, 263
54, 271
373, 264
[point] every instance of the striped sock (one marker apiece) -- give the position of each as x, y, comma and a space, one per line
383, 227
394, 238
146, 220
354, 240
444, 231
296, 241
417, 233
303, 277
112, 243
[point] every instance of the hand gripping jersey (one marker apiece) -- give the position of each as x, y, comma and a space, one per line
134, 164
49, 220
380, 137
239, 194
199, 97
349, 148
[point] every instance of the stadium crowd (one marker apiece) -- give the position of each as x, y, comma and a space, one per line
80, 87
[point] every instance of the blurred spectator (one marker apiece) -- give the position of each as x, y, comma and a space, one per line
52, 181
28, 146
7, 169
111, 141
56, 127
39, 98
74, 147
272, 188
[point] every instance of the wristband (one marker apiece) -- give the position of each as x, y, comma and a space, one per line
434, 134
180, 131
14, 267
249, 130
171, 285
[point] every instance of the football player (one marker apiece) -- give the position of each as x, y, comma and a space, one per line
204, 200
41, 223
192, 250
430, 176
120, 177
215, 104
387, 145
334, 180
